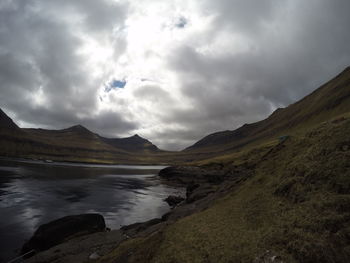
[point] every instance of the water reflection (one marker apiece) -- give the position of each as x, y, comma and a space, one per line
32, 194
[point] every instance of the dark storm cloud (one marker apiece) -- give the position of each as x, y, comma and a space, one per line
292, 47
41, 60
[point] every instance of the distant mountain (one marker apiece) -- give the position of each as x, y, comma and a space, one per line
330, 100
6, 122
76, 143
133, 144
79, 130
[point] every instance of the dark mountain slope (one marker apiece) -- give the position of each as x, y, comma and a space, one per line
75, 143
330, 100
133, 144
6, 122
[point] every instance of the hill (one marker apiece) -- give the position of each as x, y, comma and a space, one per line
331, 99
76, 143
134, 144
288, 203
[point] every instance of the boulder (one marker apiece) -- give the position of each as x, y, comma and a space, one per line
173, 200
57, 231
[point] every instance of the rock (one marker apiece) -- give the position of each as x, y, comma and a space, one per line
58, 231
173, 200
187, 174
268, 257
190, 188
94, 256
199, 193
142, 229
139, 227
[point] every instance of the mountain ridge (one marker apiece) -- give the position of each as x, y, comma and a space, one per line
329, 99
75, 143
6, 122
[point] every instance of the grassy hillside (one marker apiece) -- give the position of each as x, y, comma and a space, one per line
330, 100
296, 205
76, 143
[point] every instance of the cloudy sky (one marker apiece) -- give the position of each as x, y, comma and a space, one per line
171, 71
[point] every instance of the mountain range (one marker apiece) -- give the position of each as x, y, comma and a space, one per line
77, 143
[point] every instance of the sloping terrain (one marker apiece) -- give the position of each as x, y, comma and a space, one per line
331, 99
293, 207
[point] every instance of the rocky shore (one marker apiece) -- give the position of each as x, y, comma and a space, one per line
203, 186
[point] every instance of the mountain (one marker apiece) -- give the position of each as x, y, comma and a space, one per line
134, 144
330, 100
79, 130
76, 143
6, 122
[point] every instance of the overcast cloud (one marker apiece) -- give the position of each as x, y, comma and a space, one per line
171, 71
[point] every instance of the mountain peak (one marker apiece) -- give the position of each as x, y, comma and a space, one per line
132, 143
78, 126
6, 122
80, 129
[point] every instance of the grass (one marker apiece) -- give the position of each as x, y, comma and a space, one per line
296, 205
330, 100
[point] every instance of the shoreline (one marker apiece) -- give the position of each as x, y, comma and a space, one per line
199, 195
49, 161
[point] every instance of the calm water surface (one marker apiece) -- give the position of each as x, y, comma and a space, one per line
33, 193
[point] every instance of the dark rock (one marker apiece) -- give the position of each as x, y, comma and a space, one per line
187, 174
173, 200
58, 231
199, 193
135, 229
190, 188
166, 216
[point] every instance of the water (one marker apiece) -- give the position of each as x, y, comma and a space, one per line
33, 193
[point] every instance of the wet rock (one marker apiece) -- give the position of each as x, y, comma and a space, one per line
58, 231
173, 200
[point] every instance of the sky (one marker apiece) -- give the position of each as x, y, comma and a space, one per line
171, 71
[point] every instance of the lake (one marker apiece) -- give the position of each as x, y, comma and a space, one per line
33, 193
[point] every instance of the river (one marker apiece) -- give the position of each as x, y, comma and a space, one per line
33, 193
